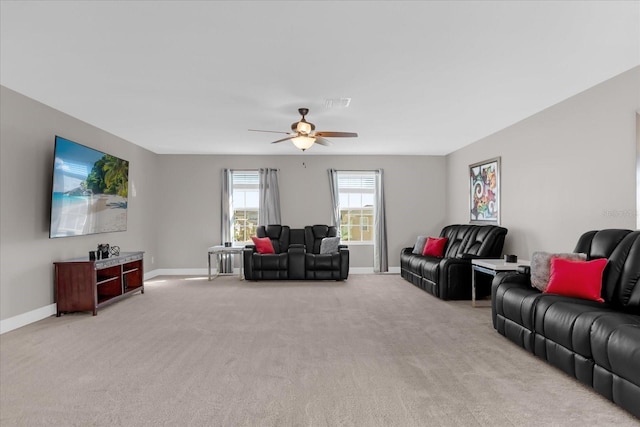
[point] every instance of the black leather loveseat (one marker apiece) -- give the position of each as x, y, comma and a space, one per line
297, 255
449, 277
596, 342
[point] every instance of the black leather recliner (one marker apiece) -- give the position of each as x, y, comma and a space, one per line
449, 277
333, 266
297, 255
597, 343
269, 266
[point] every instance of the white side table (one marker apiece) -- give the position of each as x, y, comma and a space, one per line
491, 267
219, 251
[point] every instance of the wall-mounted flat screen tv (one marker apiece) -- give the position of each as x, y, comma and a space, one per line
89, 192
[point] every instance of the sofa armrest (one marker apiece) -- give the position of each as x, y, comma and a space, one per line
296, 254
454, 278
297, 247
247, 259
448, 262
500, 284
472, 256
344, 261
517, 278
469, 256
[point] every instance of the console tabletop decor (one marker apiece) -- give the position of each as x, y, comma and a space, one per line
86, 285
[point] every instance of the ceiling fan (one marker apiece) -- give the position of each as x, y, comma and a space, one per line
303, 133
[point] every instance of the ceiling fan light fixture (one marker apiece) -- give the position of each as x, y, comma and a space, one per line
303, 134
303, 127
303, 142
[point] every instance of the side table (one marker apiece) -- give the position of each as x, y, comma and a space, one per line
491, 267
219, 251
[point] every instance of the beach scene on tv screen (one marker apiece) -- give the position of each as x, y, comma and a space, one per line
90, 191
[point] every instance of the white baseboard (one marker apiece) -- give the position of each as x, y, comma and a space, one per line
203, 271
182, 272
24, 319
32, 316
151, 274
177, 272
360, 270
369, 270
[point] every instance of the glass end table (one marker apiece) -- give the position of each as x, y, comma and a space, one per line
491, 267
220, 251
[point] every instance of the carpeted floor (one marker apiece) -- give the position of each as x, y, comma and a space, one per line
371, 351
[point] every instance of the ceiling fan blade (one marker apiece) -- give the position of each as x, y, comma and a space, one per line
336, 134
284, 139
270, 131
320, 140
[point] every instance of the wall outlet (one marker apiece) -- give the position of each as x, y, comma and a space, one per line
153, 260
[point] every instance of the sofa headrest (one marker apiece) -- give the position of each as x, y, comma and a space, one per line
321, 231
279, 235
600, 243
486, 241
313, 235
620, 282
470, 239
456, 234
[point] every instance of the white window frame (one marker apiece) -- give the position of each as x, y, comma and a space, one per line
244, 181
362, 183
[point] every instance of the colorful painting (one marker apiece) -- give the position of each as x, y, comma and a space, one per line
485, 192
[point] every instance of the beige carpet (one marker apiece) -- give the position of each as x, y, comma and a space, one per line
371, 351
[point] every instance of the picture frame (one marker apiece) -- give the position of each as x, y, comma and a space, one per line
484, 192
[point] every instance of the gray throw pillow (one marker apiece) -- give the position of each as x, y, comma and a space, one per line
541, 265
329, 245
419, 246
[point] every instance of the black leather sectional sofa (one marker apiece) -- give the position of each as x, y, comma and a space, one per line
297, 255
597, 343
449, 277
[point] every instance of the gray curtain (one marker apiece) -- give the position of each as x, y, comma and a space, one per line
269, 212
380, 257
335, 199
226, 224
227, 202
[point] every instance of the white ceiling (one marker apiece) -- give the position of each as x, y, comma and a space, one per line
424, 77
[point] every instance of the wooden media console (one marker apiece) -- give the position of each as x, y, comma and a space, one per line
86, 285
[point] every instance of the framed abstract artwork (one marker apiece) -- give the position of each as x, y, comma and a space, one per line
484, 192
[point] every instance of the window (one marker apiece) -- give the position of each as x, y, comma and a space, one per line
245, 205
356, 193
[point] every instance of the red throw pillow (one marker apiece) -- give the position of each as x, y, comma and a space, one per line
435, 246
263, 245
580, 279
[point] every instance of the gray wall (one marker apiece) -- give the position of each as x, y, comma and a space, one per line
190, 212
638, 169
174, 203
566, 170
27, 130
